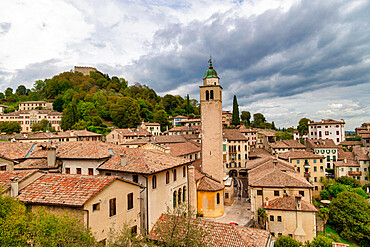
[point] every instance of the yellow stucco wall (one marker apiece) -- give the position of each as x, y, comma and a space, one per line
300, 224
207, 203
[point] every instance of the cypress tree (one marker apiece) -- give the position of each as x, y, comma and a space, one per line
236, 118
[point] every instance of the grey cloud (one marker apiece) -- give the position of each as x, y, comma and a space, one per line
5, 27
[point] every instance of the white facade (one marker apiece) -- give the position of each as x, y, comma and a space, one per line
27, 118
327, 129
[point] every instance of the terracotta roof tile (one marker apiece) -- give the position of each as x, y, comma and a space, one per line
322, 143
84, 150
65, 189
289, 203
327, 121
220, 234
259, 152
14, 150
133, 132
166, 139
233, 135
362, 153
5, 176
349, 163
180, 149
142, 161
350, 143
209, 184
345, 155
299, 155
58, 135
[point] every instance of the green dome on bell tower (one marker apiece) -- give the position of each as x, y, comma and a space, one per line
210, 73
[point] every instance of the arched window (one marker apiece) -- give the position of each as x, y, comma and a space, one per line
179, 197
218, 198
207, 95
211, 95
184, 193
174, 198
154, 182
167, 177
184, 171
174, 175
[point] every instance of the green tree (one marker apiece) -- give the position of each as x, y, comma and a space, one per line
236, 119
70, 116
320, 241
21, 90
161, 118
325, 195
187, 104
125, 113
262, 217
8, 92
43, 125
58, 104
286, 241
258, 119
2, 96
180, 228
303, 126
336, 188
246, 116
170, 103
350, 214
354, 183
324, 215
10, 127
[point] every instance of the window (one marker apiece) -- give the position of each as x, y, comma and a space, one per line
227, 195
328, 158
314, 161
271, 218
298, 169
174, 199
112, 207
130, 201
96, 207
174, 175
184, 171
334, 158
279, 218
273, 234
207, 95
315, 179
276, 193
321, 168
316, 188
211, 95
154, 182
78, 170
297, 161
135, 178
280, 234
218, 198
91, 171
301, 193
315, 168
184, 193
108, 174
167, 177
134, 230
259, 192
68, 170
321, 160
179, 197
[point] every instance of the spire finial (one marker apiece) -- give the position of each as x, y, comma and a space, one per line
210, 61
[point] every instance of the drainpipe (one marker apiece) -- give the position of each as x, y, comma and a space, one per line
88, 216
147, 204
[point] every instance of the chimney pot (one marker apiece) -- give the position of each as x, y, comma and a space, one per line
14, 187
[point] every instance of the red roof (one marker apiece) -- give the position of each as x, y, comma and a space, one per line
6, 176
65, 189
289, 203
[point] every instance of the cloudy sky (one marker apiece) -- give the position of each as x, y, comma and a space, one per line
286, 59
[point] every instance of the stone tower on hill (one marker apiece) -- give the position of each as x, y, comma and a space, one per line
211, 116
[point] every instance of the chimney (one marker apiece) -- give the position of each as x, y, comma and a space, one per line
14, 187
345, 161
298, 202
192, 188
275, 163
123, 160
51, 156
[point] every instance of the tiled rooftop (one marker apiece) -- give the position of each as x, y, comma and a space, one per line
65, 189
5, 176
327, 121
58, 135
168, 139
84, 150
14, 150
180, 149
362, 153
299, 155
289, 203
233, 135
25, 112
133, 132
322, 143
208, 184
142, 161
221, 234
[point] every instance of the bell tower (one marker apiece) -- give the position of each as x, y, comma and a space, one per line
211, 117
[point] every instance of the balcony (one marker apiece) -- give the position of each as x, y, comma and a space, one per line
351, 173
307, 174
